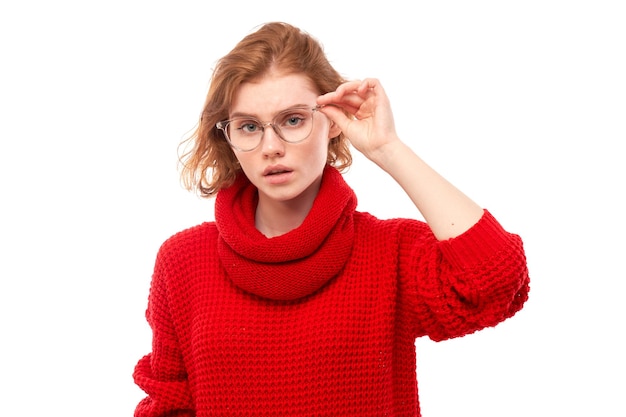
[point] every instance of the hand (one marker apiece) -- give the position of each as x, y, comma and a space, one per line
369, 121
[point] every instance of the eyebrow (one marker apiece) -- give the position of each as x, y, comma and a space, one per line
294, 107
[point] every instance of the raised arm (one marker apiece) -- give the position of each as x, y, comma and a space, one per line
372, 132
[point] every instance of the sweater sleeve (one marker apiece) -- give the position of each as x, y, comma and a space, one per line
461, 285
162, 374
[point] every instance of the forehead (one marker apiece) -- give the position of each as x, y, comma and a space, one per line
273, 92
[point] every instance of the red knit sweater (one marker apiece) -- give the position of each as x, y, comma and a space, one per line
320, 321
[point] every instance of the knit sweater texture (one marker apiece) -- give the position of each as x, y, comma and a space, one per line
320, 321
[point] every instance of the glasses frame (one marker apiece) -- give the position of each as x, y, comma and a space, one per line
223, 126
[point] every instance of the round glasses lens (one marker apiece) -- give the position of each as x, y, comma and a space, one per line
244, 133
292, 126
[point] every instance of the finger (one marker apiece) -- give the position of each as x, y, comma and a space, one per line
323, 102
368, 86
349, 86
350, 102
344, 89
333, 98
337, 116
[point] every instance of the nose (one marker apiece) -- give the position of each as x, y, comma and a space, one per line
271, 143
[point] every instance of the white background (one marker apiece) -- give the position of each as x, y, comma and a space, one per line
520, 104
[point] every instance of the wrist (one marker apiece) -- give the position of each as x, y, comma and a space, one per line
387, 156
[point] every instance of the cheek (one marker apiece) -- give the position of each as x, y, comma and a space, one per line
244, 163
319, 145
317, 153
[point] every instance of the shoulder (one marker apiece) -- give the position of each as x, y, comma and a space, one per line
395, 229
190, 240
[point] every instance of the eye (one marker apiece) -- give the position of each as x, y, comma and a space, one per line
292, 119
247, 126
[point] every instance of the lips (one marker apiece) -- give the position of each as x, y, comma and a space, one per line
276, 170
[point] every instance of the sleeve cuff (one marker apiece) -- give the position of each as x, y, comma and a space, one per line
484, 239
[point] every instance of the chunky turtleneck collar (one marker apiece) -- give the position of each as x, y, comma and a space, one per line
292, 265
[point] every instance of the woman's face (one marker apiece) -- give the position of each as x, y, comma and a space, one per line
283, 172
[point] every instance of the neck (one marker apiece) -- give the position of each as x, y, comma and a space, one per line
274, 217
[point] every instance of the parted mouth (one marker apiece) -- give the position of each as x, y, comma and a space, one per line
275, 170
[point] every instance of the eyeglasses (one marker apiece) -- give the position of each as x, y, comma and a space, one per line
245, 133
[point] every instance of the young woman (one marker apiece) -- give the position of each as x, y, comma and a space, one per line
292, 302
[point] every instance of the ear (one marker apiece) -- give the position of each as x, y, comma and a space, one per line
333, 130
